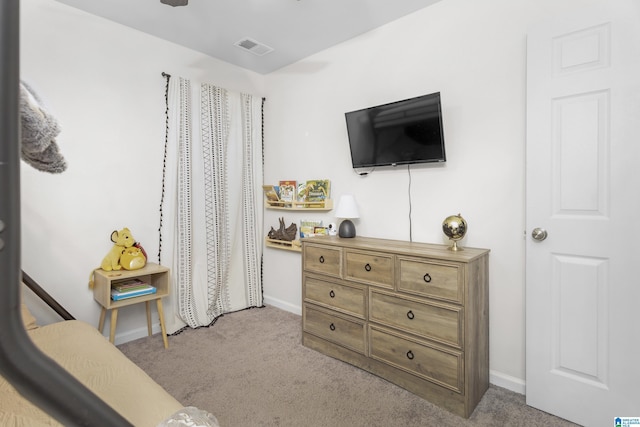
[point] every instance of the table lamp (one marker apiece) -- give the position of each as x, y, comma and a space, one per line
347, 209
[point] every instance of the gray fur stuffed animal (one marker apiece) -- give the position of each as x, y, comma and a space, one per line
39, 130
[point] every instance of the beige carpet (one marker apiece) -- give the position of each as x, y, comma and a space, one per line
250, 369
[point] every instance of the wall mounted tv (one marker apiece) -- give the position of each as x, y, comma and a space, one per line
402, 132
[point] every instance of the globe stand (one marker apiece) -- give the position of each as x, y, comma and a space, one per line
454, 247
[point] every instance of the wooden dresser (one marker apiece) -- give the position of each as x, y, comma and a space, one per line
415, 314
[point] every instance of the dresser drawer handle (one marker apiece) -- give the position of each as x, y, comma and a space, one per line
410, 355
410, 315
332, 327
321, 259
367, 267
332, 294
427, 278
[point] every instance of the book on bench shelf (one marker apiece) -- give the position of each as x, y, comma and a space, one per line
130, 289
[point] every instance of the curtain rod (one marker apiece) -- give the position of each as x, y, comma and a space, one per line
169, 75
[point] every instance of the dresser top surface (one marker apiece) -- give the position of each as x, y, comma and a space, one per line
430, 250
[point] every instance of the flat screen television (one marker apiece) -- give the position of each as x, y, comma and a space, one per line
402, 132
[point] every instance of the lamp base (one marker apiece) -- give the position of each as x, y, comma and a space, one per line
347, 229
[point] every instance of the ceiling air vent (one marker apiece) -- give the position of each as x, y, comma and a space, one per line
253, 46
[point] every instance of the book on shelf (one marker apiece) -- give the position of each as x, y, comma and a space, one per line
117, 295
317, 190
308, 227
130, 284
271, 192
288, 191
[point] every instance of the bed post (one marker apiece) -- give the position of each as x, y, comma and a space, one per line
33, 374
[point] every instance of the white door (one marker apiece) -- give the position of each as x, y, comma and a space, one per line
583, 190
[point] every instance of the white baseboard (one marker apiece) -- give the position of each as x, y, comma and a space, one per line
283, 305
134, 334
507, 381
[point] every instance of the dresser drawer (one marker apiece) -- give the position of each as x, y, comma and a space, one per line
370, 267
323, 259
332, 327
349, 299
434, 280
428, 361
431, 320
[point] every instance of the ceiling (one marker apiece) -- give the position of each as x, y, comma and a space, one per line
294, 29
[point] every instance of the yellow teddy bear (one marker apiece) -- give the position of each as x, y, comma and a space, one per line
133, 258
122, 239
125, 253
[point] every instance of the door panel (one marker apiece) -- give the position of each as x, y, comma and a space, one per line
583, 189
580, 318
579, 157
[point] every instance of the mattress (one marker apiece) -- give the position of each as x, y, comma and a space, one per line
100, 366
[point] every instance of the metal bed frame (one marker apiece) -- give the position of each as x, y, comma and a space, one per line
33, 374
44, 296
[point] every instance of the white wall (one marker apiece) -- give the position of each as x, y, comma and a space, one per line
474, 53
103, 83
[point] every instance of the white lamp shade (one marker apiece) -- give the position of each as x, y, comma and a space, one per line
347, 207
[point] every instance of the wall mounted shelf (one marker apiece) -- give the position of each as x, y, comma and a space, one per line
325, 205
294, 246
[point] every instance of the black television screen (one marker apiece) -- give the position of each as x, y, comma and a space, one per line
402, 132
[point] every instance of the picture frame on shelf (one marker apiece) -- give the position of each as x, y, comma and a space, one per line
320, 231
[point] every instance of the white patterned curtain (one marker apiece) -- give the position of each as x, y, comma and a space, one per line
212, 216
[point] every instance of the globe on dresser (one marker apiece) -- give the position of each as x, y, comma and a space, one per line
454, 227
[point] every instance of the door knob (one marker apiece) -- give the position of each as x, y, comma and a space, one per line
539, 234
